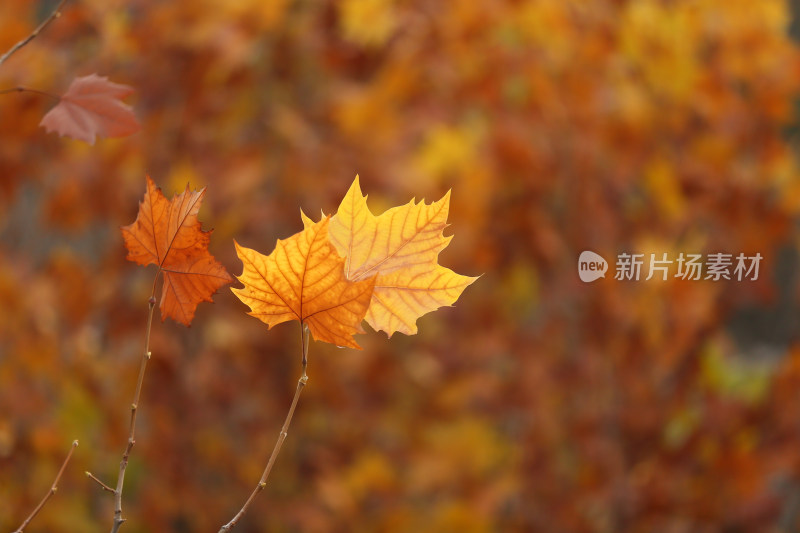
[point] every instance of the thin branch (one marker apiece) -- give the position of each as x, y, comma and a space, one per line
96, 480
29, 90
301, 383
123, 464
54, 15
52, 490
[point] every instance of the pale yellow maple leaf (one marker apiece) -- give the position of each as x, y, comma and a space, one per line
401, 249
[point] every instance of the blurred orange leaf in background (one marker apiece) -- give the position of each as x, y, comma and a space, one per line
91, 107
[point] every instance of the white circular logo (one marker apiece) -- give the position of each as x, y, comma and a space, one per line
591, 266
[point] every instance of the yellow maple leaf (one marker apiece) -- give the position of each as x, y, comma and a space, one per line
303, 279
401, 248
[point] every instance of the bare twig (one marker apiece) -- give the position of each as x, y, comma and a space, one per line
29, 90
52, 490
118, 520
102, 485
54, 15
301, 383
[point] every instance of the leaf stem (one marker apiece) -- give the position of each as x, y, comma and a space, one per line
301, 383
118, 520
52, 490
304, 340
54, 15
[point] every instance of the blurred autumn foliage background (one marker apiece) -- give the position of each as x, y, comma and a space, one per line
537, 403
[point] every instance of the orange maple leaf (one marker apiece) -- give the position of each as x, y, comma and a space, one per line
168, 234
91, 107
401, 247
303, 279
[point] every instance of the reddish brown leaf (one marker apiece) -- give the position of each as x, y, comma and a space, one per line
92, 107
168, 234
